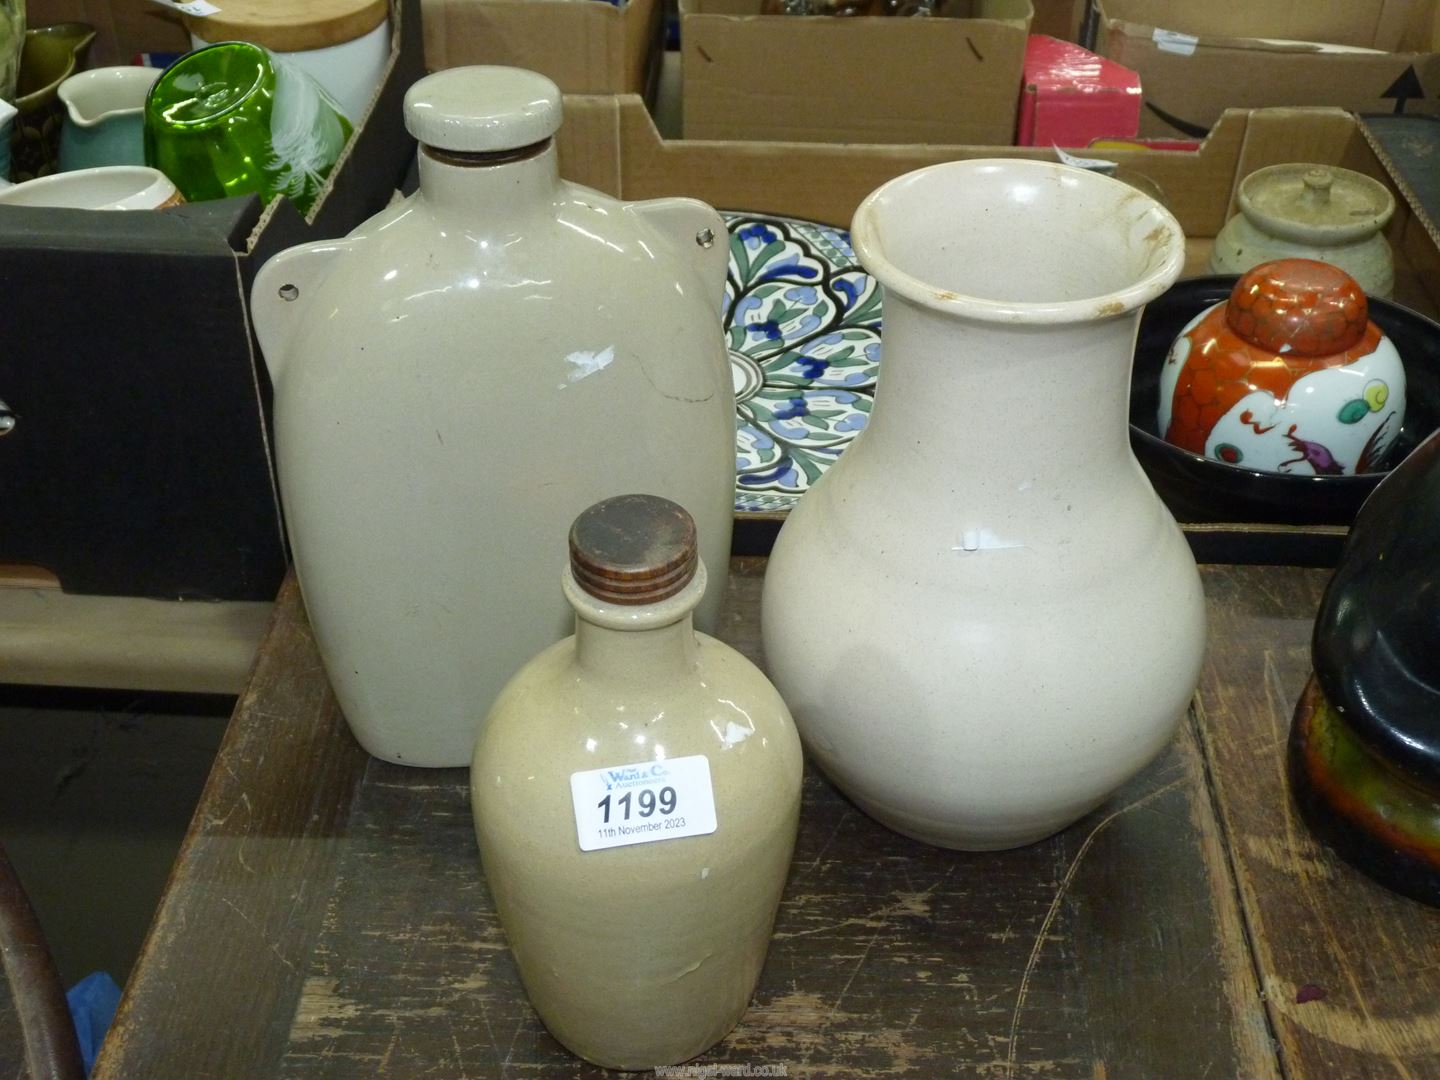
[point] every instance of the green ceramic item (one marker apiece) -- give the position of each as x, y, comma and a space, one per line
232, 119
12, 41
1365, 746
50, 56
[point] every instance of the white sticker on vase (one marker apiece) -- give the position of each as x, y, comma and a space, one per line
643, 802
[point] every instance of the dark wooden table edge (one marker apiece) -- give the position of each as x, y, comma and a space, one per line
1246, 981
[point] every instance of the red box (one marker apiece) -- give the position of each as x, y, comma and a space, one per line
1070, 96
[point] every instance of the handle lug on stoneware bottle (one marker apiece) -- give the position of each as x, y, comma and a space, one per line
697, 232
281, 295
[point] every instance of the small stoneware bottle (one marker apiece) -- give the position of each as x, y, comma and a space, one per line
636, 790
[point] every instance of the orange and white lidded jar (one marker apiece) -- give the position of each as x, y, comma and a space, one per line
1288, 375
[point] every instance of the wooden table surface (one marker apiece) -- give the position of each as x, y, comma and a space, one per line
327, 916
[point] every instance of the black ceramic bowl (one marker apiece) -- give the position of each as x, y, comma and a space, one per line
1199, 489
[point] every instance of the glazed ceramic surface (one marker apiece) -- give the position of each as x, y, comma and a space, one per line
644, 954
1198, 488
1377, 635
802, 321
104, 122
7, 118
50, 56
1376, 818
1020, 623
113, 187
234, 119
459, 378
1300, 211
1365, 748
12, 42
1288, 375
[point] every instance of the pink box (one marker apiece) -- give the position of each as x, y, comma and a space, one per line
1070, 96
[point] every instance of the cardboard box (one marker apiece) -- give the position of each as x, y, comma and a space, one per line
585, 46
123, 28
871, 79
1061, 19
1070, 96
1196, 60
612, 144
139, 463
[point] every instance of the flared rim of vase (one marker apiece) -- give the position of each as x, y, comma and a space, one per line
1165, 237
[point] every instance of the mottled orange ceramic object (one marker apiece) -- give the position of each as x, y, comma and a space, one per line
1312, 307
1285, 320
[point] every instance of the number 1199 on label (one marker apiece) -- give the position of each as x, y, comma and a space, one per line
646, 804
643, 802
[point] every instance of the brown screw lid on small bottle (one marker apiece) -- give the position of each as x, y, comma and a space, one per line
633, 549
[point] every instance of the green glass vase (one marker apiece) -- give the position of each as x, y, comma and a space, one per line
232, 118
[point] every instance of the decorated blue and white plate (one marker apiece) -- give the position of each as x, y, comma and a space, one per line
802, 321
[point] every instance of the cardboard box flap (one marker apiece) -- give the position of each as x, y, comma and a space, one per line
1017, 13
1184, 44
1407, 147
613, 144
342, 204
1190, 77
1374, 24
749, 76
591, 48
198, 229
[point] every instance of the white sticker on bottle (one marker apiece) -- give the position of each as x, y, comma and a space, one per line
1172, 41
197, 8
643, 803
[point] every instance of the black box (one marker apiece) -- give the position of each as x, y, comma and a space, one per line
139, 462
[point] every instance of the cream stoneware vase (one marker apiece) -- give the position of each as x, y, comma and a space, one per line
637, 897
462, 375
982, 617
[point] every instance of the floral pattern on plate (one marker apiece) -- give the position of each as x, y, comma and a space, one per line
802, 321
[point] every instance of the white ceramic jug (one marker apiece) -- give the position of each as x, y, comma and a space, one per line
461, 376
982, 617
105, 117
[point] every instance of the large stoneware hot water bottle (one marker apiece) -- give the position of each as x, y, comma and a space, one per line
461, 376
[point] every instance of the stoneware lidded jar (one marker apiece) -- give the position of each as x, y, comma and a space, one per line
982, 617
1302, 211
636, 792
1287, 375
461, 376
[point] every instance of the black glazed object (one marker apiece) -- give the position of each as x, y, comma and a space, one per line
1376, 647
1198, 489
1364, 754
